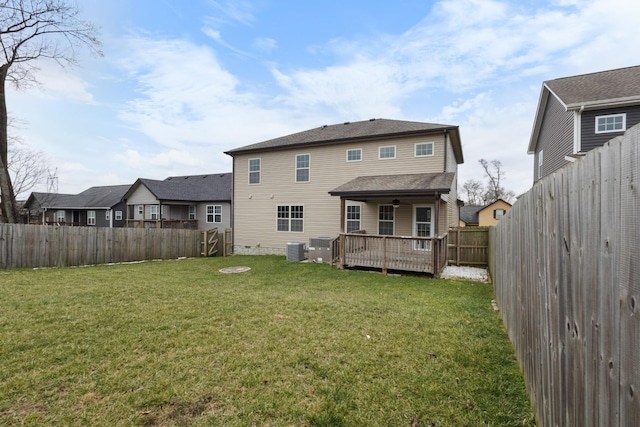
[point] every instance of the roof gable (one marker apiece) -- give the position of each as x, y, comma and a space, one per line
354, 131
605, 89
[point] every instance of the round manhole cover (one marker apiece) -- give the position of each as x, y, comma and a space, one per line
234, 269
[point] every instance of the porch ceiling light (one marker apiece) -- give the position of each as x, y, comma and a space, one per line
395, 203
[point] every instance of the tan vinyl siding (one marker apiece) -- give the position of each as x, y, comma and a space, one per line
255, 205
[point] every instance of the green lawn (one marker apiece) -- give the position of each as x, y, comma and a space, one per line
176, 343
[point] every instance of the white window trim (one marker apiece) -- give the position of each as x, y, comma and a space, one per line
414, 226
192, 212
214, 214
353, 149
540, 164
154, 210
91, 217
346, 217
118, 215
415, 149
259, 171
61, 216
289, 219
387, 146
107, 215
140, 210
393, 221
308, 168
604, 116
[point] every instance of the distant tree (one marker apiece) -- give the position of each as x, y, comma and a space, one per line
32, 30
473, 192
27, 168
495, 175
476, 193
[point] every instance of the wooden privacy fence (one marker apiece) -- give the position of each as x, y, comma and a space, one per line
469, 246
216, 244
31, 246
567, 280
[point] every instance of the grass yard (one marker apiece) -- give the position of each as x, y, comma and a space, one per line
176, 343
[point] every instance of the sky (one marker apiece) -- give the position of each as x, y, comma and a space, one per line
183, 81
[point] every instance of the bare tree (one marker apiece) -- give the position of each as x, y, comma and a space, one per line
31, 30
27, 168
473, 191
495, 175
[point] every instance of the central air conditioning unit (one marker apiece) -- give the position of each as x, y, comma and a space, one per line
295, 251
320, 249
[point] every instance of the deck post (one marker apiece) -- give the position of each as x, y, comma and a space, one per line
384, 255
341, 245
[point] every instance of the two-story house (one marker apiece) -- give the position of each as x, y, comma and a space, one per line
97, 206
579, 113
379, 176
198, 202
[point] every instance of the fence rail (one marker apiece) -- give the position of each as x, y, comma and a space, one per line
469, 246
567, 279
31, 246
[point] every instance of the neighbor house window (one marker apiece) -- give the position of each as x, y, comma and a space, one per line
424, 149
611, 123
354, 155
353, 218
499, 213
118, 215
192, 212
61, 216
140, 210
154, 211
290, 218
91, 217
107, 215
254, 171
540, 164
385, 220
214, 213
302, 168
387, 152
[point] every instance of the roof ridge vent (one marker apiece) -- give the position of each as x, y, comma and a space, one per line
372, 120
324, 126
347, 123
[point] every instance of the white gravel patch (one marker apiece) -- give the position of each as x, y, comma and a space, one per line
468, 273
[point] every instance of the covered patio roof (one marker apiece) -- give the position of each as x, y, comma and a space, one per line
422, 184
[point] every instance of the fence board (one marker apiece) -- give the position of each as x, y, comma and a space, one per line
32, 246
566, 276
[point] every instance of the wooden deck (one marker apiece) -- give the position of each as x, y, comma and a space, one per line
415, 254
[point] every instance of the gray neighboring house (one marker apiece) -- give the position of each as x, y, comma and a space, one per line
469, 215
96, 206
579, 113
199, 202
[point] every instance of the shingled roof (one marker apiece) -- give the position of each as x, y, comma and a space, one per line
396, 185
191, 188
606, 87
101, 197
354, 131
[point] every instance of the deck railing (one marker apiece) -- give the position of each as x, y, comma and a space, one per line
190, 224
416, 254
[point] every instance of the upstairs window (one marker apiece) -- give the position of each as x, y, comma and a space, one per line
302, 168
387, 152
354, 155
499, 213
254, 171
424, 149
611, 123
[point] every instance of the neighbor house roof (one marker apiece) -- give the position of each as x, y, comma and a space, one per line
469, 214
605, 89
192, 188
354, 131
103, 197
396, 185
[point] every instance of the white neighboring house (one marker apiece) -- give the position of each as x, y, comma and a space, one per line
387, 177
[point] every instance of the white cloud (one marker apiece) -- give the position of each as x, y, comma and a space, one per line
265, 44
55, 81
